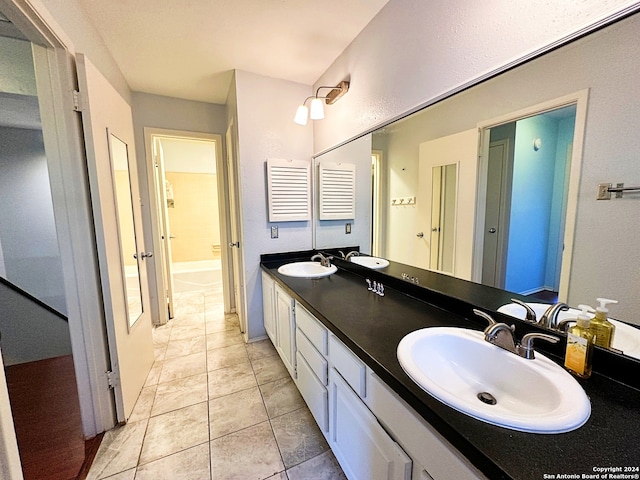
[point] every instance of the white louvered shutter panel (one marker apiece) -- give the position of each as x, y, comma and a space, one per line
289, 190
337, 191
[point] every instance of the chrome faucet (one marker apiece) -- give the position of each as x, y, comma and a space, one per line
502, 335
549, 318
324, 261
348, 255
530, 313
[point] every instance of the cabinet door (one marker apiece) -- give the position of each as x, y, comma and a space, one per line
268, 306
285, 325
362, 447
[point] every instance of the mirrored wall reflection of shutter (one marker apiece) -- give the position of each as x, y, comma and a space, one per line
289, 190
337, 191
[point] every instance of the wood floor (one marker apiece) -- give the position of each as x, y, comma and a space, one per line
46, 414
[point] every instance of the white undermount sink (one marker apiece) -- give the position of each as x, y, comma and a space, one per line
461, 369
370, 262
306, 270
625, 337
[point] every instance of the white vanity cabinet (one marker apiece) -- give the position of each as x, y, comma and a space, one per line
268, 294
285, 328
313, 367
363, 448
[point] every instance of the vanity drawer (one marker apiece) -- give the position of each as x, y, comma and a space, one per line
316, 362
312, 328
314, 393
351, 368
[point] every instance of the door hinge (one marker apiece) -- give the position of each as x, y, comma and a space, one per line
113, 379
77, 101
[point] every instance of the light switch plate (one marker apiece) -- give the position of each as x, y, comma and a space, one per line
274, 231
347, 228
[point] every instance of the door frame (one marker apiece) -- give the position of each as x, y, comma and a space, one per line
150, 134
580, 99
64, 146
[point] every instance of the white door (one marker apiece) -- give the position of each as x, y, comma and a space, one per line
460, 149
235, 244
165, 227
108, 130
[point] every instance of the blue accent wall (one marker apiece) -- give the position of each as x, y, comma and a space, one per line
538, 202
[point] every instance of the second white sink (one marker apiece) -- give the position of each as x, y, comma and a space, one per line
625, 338
306, 270
459, 368
370, 262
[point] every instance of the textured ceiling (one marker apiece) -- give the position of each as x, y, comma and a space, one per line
188, 48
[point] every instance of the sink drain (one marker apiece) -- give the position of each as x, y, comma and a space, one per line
486, 397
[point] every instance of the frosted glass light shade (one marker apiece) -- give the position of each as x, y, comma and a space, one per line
302, 114
317, 110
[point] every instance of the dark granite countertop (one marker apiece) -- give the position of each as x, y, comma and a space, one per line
372, 326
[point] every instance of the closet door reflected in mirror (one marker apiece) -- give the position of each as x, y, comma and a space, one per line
443, 217
118, 151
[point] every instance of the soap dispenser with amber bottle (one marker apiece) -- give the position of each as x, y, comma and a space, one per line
580, 340
601, 327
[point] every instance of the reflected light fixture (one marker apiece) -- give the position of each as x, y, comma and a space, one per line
316, 110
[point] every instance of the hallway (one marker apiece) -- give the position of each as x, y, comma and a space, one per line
214, 408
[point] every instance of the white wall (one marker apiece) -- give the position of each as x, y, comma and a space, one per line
16, 67
28, 230
265, 109
413, 51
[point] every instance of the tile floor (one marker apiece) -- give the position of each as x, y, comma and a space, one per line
215, 408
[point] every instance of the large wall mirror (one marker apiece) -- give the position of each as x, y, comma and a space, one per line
504, 177
118, 151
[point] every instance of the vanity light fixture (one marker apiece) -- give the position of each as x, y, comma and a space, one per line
316, 111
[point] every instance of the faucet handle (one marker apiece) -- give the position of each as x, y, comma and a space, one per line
525, 349
486, 316
531, 314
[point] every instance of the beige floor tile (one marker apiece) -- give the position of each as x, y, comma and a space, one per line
234, 412
181, 367
175, 431
298, 437
322, 467
279, 476
269, 369
263, 348
225, 381
224, 339
190, 464
220, 323
180, 393
180, 332
251, 453
154, 374
188, 320
281, 397
226, 357
142, 408
126, 475
187, 346
161, 334
119, 450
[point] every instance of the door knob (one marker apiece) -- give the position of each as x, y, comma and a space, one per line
234, 244
143, 255
492, 230
419, 234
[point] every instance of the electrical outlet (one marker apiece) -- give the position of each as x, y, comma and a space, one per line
274, 231
347, 228
603, 191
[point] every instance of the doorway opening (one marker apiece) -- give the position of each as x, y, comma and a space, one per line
187, 167
526, 215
